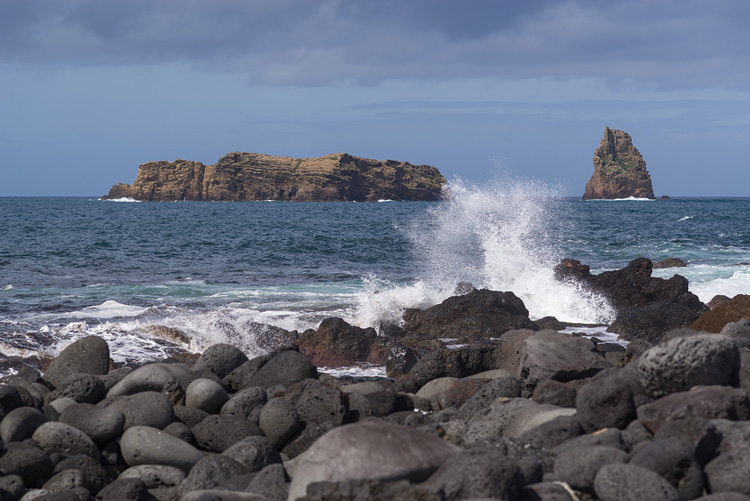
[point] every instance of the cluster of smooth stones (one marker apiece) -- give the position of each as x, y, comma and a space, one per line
537, 415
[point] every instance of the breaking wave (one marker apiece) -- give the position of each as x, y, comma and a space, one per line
498, 237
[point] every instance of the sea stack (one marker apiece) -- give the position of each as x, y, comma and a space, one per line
619, 170
243, 176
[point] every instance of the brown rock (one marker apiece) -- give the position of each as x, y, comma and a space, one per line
253, 176
619, 169
337, 343
731, 311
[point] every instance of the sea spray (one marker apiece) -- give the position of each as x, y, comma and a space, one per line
500, 236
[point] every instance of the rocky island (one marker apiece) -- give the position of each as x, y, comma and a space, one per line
253, 176
619, 170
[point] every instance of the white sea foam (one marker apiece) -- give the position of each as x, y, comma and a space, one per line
109, 309
707, 281
8, 287
685, 218
494, 237
124, 199
628, 199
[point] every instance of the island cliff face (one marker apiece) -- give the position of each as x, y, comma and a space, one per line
253, 176
619, 169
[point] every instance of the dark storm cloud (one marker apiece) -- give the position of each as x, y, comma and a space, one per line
668, 43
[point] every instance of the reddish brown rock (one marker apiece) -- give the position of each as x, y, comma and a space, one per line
730, 311
619, 169
336, 343
253, 176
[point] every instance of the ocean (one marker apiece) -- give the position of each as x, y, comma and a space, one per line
154, 278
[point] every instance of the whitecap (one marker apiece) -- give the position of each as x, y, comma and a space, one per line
8, 287
685, 218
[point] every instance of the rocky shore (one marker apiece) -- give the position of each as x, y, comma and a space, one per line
512, 410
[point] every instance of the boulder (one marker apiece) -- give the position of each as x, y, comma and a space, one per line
605, 403
93, 475
733, 310
578, 466
271, 482
285, 368
147, 408
622, 482
707, 402
552, 433
88, 355
336, 344
701, 435
216, 433
143, 445
674, 460
254, 453
477, 473
59, 437
101, 424
549, 391
318, 403
682, 362
169, 379
506, 386
456, 363
479, 315
244, 401
206, 395
372, 450
651, 321
220, 359
279, 421
491, 421
551, 355
20, 424
729, 472
210, 471
83, 388
29, 462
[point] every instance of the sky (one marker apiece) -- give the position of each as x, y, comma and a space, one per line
481, 89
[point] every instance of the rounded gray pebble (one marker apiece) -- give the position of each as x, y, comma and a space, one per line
60, 437
623, 482
101, 424
206, 395
279, 420
20, 424
145, 445
147, 408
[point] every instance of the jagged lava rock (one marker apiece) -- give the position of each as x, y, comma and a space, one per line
242, 176
619, 169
